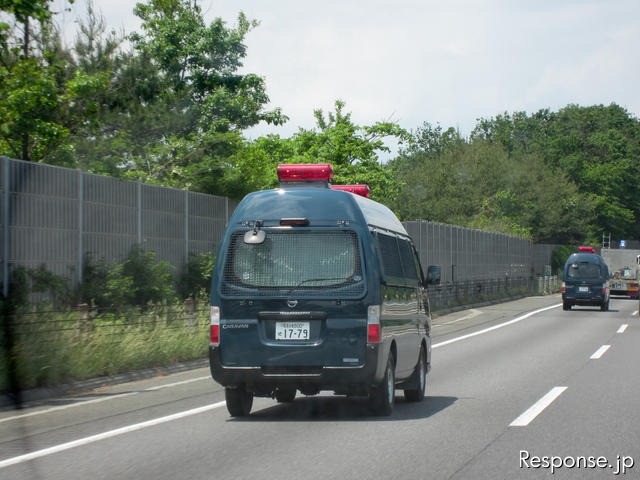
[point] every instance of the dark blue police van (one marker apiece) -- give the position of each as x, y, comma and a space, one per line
317, 288
585, 280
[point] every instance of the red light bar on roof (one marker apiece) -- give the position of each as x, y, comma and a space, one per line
362, 190
586, 250
305, 172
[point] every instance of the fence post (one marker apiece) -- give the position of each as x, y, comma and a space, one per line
139, 202
186, 228
80, 222
226, 211
5, 227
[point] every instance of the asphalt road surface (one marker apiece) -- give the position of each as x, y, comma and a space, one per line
521, 389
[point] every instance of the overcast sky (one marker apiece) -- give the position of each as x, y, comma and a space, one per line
444, 62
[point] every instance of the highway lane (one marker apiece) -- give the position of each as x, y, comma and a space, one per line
478, 386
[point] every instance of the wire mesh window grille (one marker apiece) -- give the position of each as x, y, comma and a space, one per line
303, 263
584, 271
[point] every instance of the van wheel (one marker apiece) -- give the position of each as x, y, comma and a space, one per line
566, 306
382, 397
605, 306
239, 401
417, 394
285, 395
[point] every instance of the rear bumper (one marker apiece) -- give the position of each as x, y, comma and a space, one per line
262, 380
595, 300
632, 293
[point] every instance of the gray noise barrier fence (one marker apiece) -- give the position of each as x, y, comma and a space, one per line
55, 216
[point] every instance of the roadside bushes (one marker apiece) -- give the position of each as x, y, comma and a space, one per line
138, 281
559, 257
50, 347
121, 317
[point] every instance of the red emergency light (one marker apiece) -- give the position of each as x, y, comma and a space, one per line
305, 172
362, 190
586, 250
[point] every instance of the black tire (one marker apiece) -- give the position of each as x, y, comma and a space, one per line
382, 397
286, 395
566, 306
420, 375
239, 401
605, 306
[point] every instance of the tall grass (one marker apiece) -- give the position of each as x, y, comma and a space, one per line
55, 347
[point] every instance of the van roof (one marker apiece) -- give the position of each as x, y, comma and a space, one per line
585, 257
319, 205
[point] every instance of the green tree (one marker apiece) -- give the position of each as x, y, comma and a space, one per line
352, 150
200, 104
481, 183
43, 97
596, 147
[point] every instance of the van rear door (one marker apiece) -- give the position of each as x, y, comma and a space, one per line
584, 280
294, 299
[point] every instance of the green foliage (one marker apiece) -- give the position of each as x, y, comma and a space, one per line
186, 120
43, 96
171, 110
555, 177
597, 148
23, 10
140, 280
195, 279
559, 257
136, 282
93, 288
351, 149
53, 347
45, 284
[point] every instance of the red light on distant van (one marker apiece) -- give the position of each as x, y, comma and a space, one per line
586, 250
305, 172
362, 190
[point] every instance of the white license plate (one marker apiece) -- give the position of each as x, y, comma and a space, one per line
583, 289
292, 330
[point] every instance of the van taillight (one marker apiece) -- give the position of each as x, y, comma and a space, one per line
564, 287
214, 315
373, 333
373, 324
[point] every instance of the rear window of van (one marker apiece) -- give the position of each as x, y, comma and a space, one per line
304, 261
583, 271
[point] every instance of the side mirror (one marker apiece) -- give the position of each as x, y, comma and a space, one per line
433, 275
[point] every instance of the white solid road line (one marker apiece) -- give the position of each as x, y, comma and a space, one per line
495, 327
537, 408
472, 313
102, 399
111, 433
598, 353
622, 328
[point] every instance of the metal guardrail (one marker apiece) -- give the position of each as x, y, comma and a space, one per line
449, 294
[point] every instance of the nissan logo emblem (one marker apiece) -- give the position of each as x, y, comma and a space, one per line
292, 303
